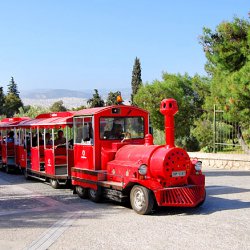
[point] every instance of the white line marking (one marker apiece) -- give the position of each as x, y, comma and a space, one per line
53, 233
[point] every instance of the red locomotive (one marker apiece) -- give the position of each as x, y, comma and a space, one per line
108, 152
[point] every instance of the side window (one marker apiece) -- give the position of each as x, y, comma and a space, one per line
83, 130
117, 128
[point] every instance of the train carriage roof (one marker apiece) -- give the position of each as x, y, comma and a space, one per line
94, 111
50, 120
11, 122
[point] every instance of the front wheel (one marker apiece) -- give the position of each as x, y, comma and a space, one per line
82, 192
54, 183
142, 200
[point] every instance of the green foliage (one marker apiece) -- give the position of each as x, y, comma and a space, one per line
228, 53
112, 98
96, 100
226, 48
12, 88
2, 100
12, 101
58, 107
189, 93
136, 82
79, 108
203, 131
31, 111
12, 104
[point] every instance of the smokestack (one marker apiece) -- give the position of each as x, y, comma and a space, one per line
169, 108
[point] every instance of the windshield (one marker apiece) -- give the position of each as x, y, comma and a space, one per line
116, 128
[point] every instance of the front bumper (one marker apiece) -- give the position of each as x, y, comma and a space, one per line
186, 196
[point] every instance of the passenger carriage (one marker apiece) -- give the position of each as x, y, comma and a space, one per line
10, 141
42, 157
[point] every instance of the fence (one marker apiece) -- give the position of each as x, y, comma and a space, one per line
233, 137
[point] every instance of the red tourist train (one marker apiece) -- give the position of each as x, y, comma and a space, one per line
108, 152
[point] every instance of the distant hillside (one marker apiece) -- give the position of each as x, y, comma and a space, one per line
54, 93
70, 98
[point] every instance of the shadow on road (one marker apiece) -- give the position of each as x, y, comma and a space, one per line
212, 204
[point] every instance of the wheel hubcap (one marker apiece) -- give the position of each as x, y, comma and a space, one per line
139, 201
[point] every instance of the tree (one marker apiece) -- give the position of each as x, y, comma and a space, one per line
2, 100
79, 108
58, 107
136, 82
227, 50
112, 98
96, 100
12, 104
31, 111
12, 101
189, 93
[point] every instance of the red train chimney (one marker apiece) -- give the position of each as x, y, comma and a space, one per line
169, 108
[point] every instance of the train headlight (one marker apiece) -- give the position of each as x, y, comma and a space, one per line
143, 169
198, 166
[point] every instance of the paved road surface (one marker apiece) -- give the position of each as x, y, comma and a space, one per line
35, 216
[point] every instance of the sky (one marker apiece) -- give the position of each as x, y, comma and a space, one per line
87, 44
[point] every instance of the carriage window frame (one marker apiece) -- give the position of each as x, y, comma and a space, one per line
82, 134
128, 128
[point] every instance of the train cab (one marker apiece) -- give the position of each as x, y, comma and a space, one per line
98, 134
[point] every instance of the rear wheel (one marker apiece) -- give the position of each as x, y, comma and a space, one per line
94, 195
54, 183
142, 200
25, 173
82, 192
7, 169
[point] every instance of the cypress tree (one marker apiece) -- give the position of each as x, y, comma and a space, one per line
12, 88
136, 79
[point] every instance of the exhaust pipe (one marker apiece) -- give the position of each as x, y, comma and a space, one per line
169, 108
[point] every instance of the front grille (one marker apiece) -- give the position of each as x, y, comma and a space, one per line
181, 196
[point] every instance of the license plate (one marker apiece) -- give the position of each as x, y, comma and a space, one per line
178, 173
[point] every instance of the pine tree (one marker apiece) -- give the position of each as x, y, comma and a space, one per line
12, 101
12, 88
136, 79
96, 101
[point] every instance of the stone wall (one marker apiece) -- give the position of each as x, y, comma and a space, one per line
223, 161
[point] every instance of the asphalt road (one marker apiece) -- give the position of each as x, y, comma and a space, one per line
35, 216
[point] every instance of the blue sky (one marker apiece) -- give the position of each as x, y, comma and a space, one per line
83, 44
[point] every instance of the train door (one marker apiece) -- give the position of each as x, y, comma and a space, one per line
10, 149
4, 147
84, 142
37, 151
24, 149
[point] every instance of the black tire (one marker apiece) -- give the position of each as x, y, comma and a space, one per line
94, 195
54, 183
7, 169
142, 200
82, 192
26, 175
